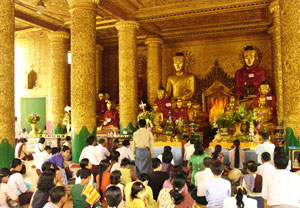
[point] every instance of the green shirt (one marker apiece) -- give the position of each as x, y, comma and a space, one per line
148, 192
78, 199
196, 161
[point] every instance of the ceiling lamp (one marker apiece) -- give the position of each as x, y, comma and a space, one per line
40, 7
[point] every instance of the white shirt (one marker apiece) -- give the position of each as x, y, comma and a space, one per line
41, 158
16, 182
101, 153
115, 166
89, 153
230, 202
39, 148
50, 205
189, 151
125, 152
201, 178
265, 147
281, 187
266, 169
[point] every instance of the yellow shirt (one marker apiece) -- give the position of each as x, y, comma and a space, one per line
142, 138
126, 176
137, 203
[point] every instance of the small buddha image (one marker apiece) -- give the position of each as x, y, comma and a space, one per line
249, 78
180, 113
232, 105
164, 104
158, 119
111, 116
100, 108
191, 112
180, 85
263, 112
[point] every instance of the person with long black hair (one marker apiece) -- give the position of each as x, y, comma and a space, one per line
240, 200
103, 178
175, 197
236, 156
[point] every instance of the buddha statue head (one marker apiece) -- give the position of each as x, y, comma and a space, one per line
107, 96
161, 93
189, 104
232, 99
264, 88
250, 56
155, 108
178, 62
179, 104
109, 105
100, 96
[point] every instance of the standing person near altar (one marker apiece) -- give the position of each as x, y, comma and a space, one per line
142, 148
249, 78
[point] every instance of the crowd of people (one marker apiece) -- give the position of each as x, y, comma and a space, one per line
123, 177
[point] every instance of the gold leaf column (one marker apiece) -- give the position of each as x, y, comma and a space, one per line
153, 67
127, 73
83, 49
277, 63
99, 50
59, 65
7, 99
290, 51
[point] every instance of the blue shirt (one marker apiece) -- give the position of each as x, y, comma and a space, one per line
216, 190
57, 160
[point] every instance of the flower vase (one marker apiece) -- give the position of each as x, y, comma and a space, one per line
238, 129
33, 131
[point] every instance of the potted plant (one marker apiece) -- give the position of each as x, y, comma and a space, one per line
32, 119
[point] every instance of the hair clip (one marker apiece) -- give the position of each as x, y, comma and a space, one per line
240, 187
176, 189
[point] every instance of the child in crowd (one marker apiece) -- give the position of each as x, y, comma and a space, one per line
127, 173
175, 197
217, 154
6, 192
138, 195
167, 158
16, 182
266, 169
189, 149
41, 195
115, 165
253, 183
177, 170
103, 178
84, 164
58, 197
144, 178
200, 179
125, 151
42, 157
217, 189
113, 197
68, 142
157, 177
240, 200
115, 180
166, 149
80, 192
236, 156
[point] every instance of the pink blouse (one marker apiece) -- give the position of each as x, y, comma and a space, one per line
5, 193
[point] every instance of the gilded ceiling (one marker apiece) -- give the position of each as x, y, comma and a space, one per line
170, 19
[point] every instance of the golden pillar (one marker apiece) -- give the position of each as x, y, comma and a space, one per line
127, 73
99, 80
7, 99
153, 67
277, 63
290, 52
83, 82
59, 41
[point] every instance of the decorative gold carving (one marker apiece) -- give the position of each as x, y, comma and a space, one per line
83, 49
290, 51
59, 41
127, 72
99, 80
7, 100
277, 59
153, 67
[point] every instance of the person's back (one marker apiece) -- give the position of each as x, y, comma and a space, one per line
125, 151
266, 169
58, 197
266, 146
282, 187
239, 200
236, 156
217, 189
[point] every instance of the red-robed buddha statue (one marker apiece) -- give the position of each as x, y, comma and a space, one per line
249, 78
180, 112
111, 116
163, 103
100, 108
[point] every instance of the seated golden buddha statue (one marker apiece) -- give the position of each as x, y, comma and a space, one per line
232, 105
263, 112
158, 119
180, 85
264, 91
